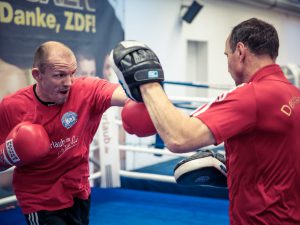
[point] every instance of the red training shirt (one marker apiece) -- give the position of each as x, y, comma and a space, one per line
52, 182
260, 124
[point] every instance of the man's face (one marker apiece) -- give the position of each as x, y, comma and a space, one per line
233, 62
86, 67
55, 82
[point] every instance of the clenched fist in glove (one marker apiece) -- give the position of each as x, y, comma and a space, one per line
136, 119
135, 64
25, 144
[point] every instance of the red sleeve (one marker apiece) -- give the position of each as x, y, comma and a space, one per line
97, 92
4, 122
232, 113
104, 92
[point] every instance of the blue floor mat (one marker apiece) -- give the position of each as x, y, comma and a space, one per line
131, 207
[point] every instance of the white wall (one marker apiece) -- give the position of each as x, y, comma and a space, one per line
158, 24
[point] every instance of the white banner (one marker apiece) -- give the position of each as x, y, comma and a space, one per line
109, 152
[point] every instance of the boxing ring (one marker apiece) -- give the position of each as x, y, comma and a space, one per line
129, 207
143, 194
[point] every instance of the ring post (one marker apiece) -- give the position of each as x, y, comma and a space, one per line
109, 152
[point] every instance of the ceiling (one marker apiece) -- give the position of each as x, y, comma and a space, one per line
287, 6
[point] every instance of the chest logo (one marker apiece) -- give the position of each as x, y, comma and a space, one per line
69, 119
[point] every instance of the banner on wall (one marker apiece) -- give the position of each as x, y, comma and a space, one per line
89, 27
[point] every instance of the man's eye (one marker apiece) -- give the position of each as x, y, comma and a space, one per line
59, 75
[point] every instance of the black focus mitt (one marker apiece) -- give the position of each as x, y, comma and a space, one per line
206, 167
135, 63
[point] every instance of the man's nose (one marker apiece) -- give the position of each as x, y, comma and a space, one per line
69, 80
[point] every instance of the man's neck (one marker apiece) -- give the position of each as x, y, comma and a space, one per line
35, 90
254, 64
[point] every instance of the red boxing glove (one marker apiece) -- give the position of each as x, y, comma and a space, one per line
25, 144
136, 119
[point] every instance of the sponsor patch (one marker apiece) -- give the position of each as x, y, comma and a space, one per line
69, 119
153, 74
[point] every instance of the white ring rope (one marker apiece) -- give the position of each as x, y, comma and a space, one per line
95, 175
8, 200
199, 85
148, 176
164, 151
191, 99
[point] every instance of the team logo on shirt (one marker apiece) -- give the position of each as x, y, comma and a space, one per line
69, 119
288, 109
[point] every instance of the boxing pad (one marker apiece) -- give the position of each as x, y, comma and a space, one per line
25, 144
203, 168
136, 119
134, 64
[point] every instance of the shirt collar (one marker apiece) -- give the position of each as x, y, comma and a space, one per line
272, 69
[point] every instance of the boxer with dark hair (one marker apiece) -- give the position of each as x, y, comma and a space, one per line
46, 130
259, 121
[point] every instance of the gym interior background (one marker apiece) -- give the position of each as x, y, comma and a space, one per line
189, 38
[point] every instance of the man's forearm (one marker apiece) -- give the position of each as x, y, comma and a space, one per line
179, 132
163, 114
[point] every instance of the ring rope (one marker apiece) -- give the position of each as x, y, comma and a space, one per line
149, 176
199, 85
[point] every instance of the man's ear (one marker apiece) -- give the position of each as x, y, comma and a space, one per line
36, 73
241, 49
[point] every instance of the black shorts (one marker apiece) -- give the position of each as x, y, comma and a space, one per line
78, 214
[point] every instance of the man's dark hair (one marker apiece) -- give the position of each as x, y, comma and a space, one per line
260, 37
